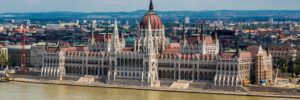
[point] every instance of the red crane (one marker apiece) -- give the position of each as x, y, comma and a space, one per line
23, 52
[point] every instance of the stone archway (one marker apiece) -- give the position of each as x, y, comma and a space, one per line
196, 75
182, 75
172, 74
177, 75
159, 74
186, 75
201, 76
190, 75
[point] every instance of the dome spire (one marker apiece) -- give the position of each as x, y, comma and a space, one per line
151, 6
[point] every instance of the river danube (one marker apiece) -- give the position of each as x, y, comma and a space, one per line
30, 91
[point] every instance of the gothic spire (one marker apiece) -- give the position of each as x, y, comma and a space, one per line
151, 6
92, 34
215, 33
237, 53
92, 37
220, 49
268, 49
202, 35
116, 31
46, 46
115, 42
149, 40
122, 35
107, 33
183, 33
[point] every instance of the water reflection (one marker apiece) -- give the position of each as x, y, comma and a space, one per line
29, 91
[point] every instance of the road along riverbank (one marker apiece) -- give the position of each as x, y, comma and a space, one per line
96, 84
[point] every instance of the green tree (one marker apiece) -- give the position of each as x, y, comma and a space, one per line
297, 66
283, 64
4, 60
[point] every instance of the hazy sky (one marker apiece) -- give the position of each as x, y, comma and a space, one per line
132, 5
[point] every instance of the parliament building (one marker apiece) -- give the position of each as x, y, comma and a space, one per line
152, 60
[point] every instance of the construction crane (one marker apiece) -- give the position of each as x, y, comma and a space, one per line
23, 52
23, 38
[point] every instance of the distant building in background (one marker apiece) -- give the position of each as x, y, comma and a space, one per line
127, 22
3, 51
290, 52
84, 21
15, 54
187, 20
36, 54
271, 21
54, 26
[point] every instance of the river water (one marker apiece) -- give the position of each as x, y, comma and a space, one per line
30, 91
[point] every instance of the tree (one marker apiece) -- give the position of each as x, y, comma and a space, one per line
297, 66
291, 65
4, 60
283, 64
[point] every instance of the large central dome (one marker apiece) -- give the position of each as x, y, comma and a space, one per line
155, 20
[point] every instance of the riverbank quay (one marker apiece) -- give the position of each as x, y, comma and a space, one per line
101, 85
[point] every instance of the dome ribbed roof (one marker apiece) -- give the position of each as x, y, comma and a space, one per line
155, 20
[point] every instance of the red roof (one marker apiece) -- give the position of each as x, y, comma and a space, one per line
102, 38
281, 47
127, 49
230, 56
2, 44
172, 51
194, 40
174, 45
155, 20
253, 50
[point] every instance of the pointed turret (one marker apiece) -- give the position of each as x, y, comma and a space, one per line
58, 46
202, 35
122, 35
92, 35
197, 30
268, 49
220, 50
46, 46
151, 6
116, 42
107, 33
149, 40
237, 49
183, 37
249, 35
116, 31
215, 33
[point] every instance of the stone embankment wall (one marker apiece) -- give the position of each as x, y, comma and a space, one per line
273, 89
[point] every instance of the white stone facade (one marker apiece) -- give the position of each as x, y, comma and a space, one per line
146, 62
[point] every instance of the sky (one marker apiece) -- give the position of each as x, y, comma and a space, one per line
132, 5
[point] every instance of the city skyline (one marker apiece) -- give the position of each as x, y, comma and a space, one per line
132, 5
